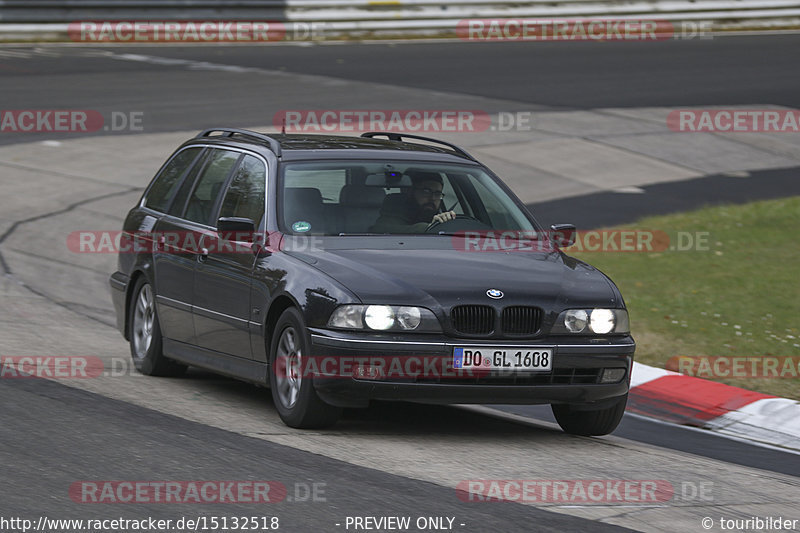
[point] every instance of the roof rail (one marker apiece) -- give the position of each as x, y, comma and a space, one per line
274, 145
400, 136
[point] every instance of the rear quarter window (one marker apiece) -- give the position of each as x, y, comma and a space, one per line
169, 179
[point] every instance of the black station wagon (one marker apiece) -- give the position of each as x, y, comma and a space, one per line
337, 270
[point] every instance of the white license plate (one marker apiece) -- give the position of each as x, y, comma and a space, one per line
503, 358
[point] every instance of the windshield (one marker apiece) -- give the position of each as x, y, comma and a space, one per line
395, 197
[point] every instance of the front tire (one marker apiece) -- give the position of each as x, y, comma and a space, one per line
578, 421
145, 334
297, 402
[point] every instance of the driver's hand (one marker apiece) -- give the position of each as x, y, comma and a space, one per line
444, 217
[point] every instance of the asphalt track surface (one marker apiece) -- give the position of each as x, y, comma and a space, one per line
113, 440
605, 209
724, 71
375, 463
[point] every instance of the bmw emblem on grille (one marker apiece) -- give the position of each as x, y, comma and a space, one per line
494, 293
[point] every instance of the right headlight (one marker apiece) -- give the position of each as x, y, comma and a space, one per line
598, 321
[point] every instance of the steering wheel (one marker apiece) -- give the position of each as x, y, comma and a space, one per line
461, 216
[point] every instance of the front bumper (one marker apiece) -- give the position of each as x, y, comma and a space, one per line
119, 287
578, 363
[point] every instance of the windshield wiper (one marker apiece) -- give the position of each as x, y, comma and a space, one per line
496, 234
344, 234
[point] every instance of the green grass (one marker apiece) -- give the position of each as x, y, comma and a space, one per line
738, 297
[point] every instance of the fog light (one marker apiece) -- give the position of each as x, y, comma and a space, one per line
612, 375
575, 320
409, 317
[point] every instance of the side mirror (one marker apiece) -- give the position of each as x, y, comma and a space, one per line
563, 235
236, 229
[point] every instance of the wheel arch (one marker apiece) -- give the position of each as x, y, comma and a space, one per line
135, 276
280, 304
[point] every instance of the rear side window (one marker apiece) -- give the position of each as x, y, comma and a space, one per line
218, 167
169, 179
245, 195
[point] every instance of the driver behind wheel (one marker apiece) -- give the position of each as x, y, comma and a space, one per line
416, 209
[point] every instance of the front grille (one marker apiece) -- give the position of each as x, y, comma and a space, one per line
521, 320
472, 319
479, 320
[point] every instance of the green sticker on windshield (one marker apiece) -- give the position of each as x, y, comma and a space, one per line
301, 226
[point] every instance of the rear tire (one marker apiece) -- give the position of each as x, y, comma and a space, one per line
145, 334
297, 402
590, 423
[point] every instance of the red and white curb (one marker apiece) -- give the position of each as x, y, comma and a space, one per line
740, 413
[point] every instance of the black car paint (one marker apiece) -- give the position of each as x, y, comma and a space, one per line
362, 269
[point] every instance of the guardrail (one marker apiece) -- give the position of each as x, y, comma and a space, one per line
49, 19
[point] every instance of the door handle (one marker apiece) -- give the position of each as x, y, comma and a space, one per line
202, 252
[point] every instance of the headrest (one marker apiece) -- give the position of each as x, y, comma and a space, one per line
361, 196
302, 196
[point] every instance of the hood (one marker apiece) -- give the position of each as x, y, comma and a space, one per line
448, 277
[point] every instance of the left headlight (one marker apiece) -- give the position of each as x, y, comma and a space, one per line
384, 318
597, 321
